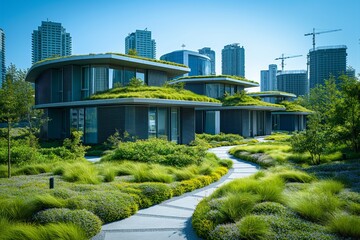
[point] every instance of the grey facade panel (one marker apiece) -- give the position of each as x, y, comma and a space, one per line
198, 88
55, 126
287, 123
110, 119
268, 123
199, 121
156, 78
76, 83
136, 121
246, 124
231, 121
67, 80
42, 86
187, 125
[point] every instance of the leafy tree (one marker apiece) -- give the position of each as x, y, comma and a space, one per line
314, 140
347, 112
16, 98
136, 82
74, 144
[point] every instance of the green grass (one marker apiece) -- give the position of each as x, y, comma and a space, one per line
80, 172
241, 99
152, 92
293, 107
345, 225
278, 137
253, 227
220, 76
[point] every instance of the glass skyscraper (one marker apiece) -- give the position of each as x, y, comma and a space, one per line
268, 79
2, 57
50, 40
294, 81
141, 41
198, 63
233, 60
326, 62
211, 54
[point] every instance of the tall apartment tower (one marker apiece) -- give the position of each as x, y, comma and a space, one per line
268, 79
141, 41
211, 54
293, 81
326, 62
233, 60
50, 40
2, 57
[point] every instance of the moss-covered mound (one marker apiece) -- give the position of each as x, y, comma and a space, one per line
152, 92
241, 99
293, 107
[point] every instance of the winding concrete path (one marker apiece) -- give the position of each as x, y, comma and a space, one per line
171, 219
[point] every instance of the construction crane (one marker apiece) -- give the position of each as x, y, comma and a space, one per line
316, 33
282, 58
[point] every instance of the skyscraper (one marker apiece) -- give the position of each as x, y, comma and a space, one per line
268, 79
211, 54
141, 41
293, 82
2, 57
326, 62
233, 60
198, 63
50, 40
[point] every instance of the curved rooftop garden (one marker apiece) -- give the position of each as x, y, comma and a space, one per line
273, 93
152, 92
219, 76
118, 54
241, 99
293, 107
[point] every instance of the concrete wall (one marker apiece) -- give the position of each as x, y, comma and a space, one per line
110, 119
187, 125
198, 88
156, 78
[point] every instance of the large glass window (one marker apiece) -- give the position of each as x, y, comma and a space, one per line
85, 82
129, 73
100, 79
91, 125
162, 123
140, 74
117, 77
152, 123
175, 125
77, 119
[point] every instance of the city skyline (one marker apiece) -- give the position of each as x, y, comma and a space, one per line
266, 29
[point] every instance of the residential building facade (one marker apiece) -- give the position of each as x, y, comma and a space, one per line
50, 40
233, 60
326, 62
141, 41
2, 56
198, 63
294, 81
211, 54
63, 87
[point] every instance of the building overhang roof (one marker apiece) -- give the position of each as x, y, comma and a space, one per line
129, 101
291, 113
215, 79
106, 59
259, 108
272, 94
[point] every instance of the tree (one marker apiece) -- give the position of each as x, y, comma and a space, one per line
314, 140
347, 112
16, 98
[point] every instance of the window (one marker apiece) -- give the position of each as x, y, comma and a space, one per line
152, 123
77, 119
164, 123
174, 125
140, 74
91, 125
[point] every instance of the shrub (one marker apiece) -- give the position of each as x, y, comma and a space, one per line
158, 151
109, 206
84, 219
183, 174
295, 176
253, 227
200, 223
270, 208
225, 232
345, 225
155, 192
330, 186
218, 140
226, 163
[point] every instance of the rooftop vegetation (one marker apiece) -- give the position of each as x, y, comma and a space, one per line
241, 99
152, 92
221, 76
293, 107
119, 54
272, 92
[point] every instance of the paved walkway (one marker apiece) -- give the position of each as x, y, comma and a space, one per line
171, 219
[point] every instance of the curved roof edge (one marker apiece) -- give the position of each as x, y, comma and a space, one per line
215, 78
106, 58
271, 94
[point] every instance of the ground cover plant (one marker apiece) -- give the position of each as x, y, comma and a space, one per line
242, 99
280, 203
221, 139
135, 175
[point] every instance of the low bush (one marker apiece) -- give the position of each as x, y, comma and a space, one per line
218, 140
157, 151
84, 219
109, 206
32, 169
154, 192
225, 232
200, 223
345, 225
271, 208
253, 227
278, 137
226, 163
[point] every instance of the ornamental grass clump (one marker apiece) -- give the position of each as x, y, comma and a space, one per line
79, 172
253, 227
345, 225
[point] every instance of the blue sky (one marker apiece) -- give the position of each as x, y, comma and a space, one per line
266, 29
